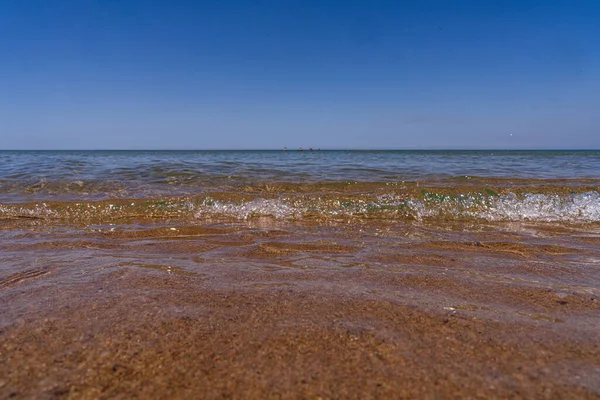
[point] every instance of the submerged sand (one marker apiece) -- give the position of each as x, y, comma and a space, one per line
269, 309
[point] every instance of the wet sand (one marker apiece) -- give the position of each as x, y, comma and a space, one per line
270, 309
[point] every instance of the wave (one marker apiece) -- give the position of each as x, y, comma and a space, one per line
486, 204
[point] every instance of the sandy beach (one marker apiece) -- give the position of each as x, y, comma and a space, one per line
290, 310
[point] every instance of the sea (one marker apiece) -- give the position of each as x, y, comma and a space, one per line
190, 270
536, 186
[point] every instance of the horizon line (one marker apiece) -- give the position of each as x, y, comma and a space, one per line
308, 149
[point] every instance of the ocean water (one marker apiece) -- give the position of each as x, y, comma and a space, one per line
492, 185
194, 267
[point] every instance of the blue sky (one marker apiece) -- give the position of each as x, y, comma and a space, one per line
108, 74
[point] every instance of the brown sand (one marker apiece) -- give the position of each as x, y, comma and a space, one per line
293, 311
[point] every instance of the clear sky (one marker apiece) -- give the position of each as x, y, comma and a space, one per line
137, 74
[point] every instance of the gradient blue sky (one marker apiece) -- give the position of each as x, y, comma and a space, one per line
119, 74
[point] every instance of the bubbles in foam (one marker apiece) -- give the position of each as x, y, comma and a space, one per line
257, 207
37, 211
576, 207
579, 207
582, 207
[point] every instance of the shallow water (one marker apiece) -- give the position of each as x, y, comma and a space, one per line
496, 186
60, 175
334, 279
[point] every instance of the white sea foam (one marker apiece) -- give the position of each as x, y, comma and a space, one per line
257, 207
37, 211
580, 207
575, 208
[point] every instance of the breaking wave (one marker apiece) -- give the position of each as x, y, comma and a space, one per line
488, 205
